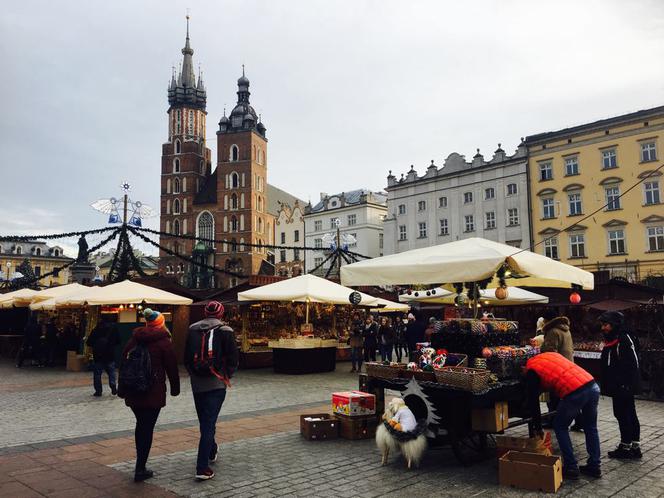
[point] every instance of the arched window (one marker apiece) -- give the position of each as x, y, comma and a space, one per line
233, 245
38, 251
235, 153
234, 201
176, 227
233, 224
176, 166
176, 186
178, 147
176, 206
260, 225
56, 252
235, 180
205, 227
19, 250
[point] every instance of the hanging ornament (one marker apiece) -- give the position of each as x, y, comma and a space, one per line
575, 298
417, 294
409, 292
502, 292
460, 300
433, 292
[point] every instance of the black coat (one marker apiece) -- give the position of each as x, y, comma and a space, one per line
385, 334
620, 366
370, 334
414, 333
103, 340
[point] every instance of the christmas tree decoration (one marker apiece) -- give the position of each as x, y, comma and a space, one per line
575, 298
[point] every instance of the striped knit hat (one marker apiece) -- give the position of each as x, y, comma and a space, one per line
153, 319
214, 309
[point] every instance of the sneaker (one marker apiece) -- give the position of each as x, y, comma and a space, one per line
213, 454
204, 475
97, 395
142, 475
636, 452
621, 452
570, 474
590, 471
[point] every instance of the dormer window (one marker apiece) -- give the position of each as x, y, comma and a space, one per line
38, 251
19, 250
56, 252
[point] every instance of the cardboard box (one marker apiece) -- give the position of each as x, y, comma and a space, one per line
541, 446
357, 427
353, 403
530, 471
494, 419
319, 426
75, 362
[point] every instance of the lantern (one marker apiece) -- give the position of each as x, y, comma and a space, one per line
502, 293
575, 298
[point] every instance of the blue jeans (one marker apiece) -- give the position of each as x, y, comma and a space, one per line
97, 369
356, 357
583, 401
208, 405
386, 352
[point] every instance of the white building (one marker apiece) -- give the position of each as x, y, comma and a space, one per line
360, 215
487, 199
289, 233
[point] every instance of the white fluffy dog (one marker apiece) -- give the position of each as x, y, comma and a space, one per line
404, 433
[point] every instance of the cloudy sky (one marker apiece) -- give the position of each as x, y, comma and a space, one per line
348, 89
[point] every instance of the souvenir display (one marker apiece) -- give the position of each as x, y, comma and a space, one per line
471, 336
507, 361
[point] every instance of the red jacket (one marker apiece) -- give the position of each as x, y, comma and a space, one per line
557, 374
164, 363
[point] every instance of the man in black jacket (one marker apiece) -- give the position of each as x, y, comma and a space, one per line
209, 379
103, 340
621, 380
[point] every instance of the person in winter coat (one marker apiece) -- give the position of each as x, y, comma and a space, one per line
400, 345
209, 386
370, 335
356, 342
385, 339
146, 406
414, 334
579, 394
30, 344
621, 380
103, 340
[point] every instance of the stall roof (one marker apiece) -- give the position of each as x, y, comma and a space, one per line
123, 292
438, 295
21, 297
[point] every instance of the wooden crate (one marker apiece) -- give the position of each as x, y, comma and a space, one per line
319, 430
357, 427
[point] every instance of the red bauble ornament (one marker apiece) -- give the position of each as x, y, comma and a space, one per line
575, 298
486, 353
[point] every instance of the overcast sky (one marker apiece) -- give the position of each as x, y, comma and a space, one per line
348, 89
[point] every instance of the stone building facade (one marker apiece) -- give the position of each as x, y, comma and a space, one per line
42, 257
290, 233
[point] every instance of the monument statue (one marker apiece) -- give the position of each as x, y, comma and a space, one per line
82, 250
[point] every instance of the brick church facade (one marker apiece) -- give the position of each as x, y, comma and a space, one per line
230, 202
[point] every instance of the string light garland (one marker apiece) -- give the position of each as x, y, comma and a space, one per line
31, 238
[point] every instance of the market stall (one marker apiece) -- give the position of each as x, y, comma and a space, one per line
438, 295
301, 320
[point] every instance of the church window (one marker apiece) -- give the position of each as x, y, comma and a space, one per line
191, 122
176, 206
235, 180
178, 147
206, 227
234, 226
260, 225
260, 204
168, 186
176, 227
235, 153
19, 250
184, 205
176, 186
176, 166
233, 245
260, 156
242, 245
178, 121
234, 201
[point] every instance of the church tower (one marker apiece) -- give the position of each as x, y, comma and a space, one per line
185, 162
242, 188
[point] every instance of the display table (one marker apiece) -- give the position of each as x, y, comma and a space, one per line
261, 358
304, 360
590, 361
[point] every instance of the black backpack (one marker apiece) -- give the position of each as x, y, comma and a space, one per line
208, 357
135, 375
101, 345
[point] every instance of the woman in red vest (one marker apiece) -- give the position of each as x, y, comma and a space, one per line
579, 394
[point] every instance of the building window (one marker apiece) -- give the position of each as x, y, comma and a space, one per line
206, 227
577, 245
282, 256
296, 236
235, 153
191, 122
609, 159
551, 247
651, 190
489, 193
176, 186
19, 250
176, 206
56, 252
318, 225
234, 201
571, 166
318, 243
380, 241
235, 180
178, 121
283, 237
648, 152
296, 255
546, 171
444, 229
490, 220
37, 271
467, 197
234, 225
176, 227
574, 204
402, 209
421, 205
656, 238
612, 198
402, 232
317, 262
176, 166
38, 251
178, 147
512, 189
616, 242
352, 219
548, 209
442, 202
512, 217
422, 230
469, 223
333, 222
354, 238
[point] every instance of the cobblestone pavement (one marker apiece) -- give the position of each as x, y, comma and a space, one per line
71, 444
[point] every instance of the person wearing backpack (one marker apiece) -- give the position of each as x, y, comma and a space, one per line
211, 358
147, 359
103, 340
621, 380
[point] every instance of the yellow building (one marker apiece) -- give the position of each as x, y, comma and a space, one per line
43, 259
575, 171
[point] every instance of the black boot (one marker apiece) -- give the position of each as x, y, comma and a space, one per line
623, 452
142, 475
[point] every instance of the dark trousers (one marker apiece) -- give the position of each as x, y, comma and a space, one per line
356, 357
624, 410
386, 352
208, 404
146, 418
98, 368
400, 350
552, 404
369, 351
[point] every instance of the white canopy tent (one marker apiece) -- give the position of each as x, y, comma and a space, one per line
46, 299
125, 292
515, 296
389, 306
19, 298
468, 260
